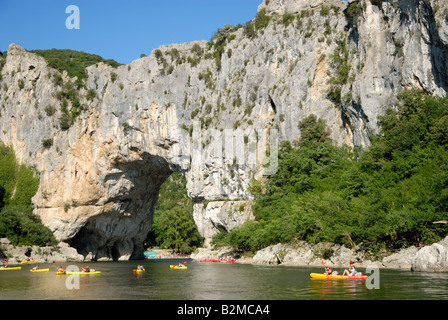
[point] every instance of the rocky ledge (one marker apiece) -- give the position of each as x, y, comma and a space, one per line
432, 258
59, 253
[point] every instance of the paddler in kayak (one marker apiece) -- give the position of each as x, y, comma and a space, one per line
5, 264
60, 269
328, 271
140, 267
350, 273
87, 269
35, 268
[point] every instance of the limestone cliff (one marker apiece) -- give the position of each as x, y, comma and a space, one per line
210, 110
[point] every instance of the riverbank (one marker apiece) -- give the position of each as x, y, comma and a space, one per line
432, 258
53, 254
165, 254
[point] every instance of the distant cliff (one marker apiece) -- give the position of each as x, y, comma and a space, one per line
104, 145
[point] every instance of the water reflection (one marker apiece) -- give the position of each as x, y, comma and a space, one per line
338, 289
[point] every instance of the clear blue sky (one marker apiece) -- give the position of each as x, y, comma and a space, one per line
117, 29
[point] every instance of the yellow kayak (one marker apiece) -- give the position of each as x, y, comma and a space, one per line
60, 273
177, 267
13, 268
83, 273
40, 270
25, 262
321, 276
138, 271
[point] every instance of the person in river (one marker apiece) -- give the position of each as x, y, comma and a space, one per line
140, 267
87, 269
60, 269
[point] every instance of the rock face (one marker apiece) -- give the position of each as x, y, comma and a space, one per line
432, 258
281, 7
210, 113
60, 253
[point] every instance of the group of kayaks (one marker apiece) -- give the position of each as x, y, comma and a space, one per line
58, 272
15, 268
216, 260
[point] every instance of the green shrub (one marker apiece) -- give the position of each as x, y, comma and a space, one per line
47, 143
49, 110
91, 94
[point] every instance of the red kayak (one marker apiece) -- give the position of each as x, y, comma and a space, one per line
211, 260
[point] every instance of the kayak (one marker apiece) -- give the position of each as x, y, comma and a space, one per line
177, 267
60, 273
40, 270
227, 261
7, 269
25, 262
82, 273
138, 271
337, 277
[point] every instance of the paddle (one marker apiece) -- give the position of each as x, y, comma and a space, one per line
325, 267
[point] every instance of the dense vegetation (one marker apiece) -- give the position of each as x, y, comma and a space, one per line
173, 225
386, 198
18, 184
74, 62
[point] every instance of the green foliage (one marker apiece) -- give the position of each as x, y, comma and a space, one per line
173, 225
353, 11
22, 227
340, 63
219, 41
74, 62
388, 197
18, 184
261, 20
91, 94
47, 143
67, 94
21, 84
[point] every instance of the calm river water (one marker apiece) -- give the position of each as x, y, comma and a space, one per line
215, 281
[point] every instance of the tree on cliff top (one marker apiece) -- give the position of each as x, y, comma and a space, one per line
74, 62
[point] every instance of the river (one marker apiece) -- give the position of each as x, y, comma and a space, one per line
214, 281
